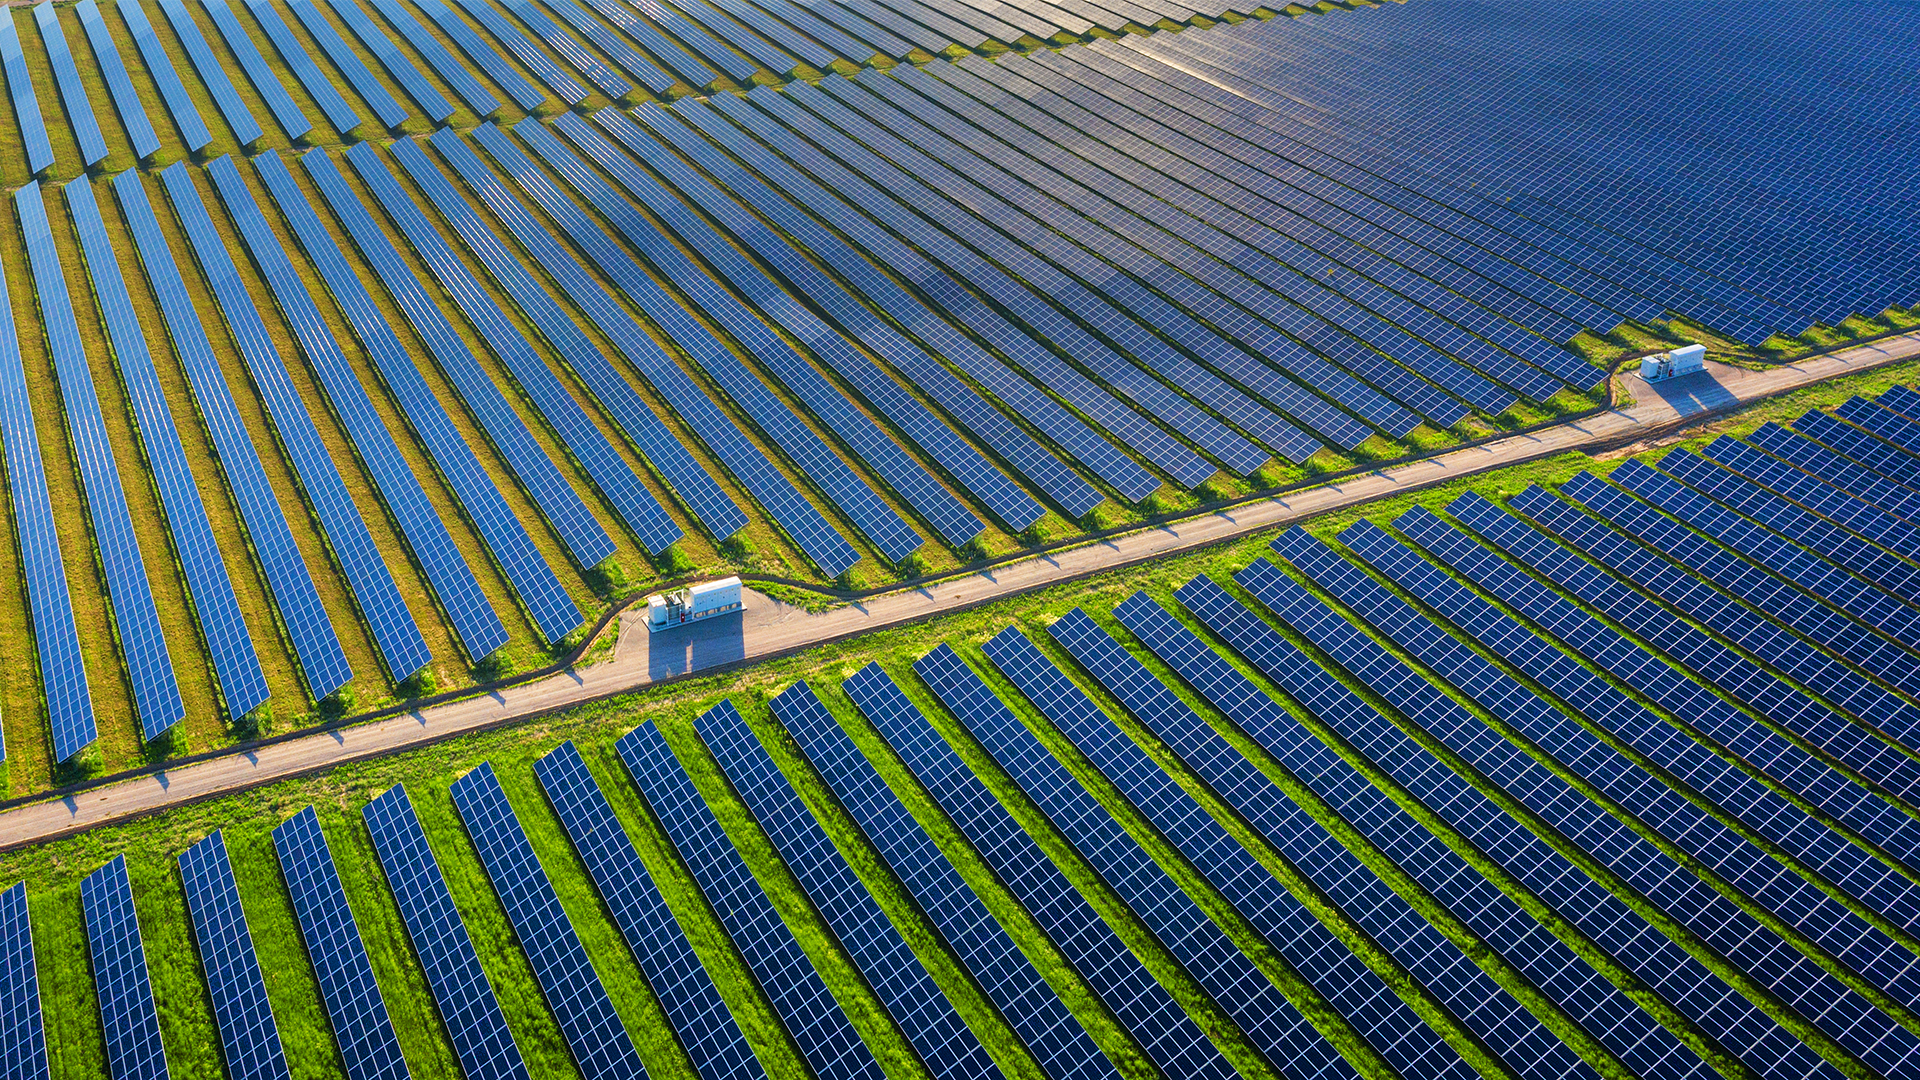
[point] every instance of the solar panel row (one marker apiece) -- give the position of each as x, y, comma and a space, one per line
26, 104
430, 101
385, 108
451, 71
213, 74
23, 1040
249, 1039
126, 100
582, 61
320, 89
129, 1022
159, 65
293, 122
73, 91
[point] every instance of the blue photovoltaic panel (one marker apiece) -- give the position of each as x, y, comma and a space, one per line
511, 39
471, 90
126, 100
1850, 511
436, 107
651, 75
593, 1030
707, 1031
581, 436
321, 660
903, 985
249, 1040
291, 120
468, 1008
143, 645
1142, 1005
236, 665
569, 50
1049, 1030
1884, 457
401, 645
811, 1014
1894, 429
23, 1040
1387, 1022
1268, 1019
186, 115
683, 29
129, 1023
213, 75
318, 87
1888, 494
73, 92
26, 105
361, 1028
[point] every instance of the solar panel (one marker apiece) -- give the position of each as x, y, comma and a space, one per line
186, 114
1486, 1008
1143, 1006
477, 97
249, 1039
525, 568
1303, 935
236, 666
665, 49
73, 92
510, 39
431, 102
361, 1028
579, 1001
605, 42
129, 1023
1889, 426
23, 1042
26, 105
332, 105
707, 1031
322, 662
1836, 505
815, 1020
213, 75
1037, 1015
1888, 495
292, 121
579, 58
468, 1008
684, 30
1884, 457
582, 437
897, 977
126, 100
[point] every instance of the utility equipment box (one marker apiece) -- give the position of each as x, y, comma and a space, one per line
682, 606
1684, 360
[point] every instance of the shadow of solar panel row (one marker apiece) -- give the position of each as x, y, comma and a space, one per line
468, 1008
236, 666
293, 123
129, 1023
249, 1039
954, 300
812, 532
973, 412
1043, 1023
26, 104
510, 39
1834, 1000
583, 439
355, 1008
884, 527
213, 75
23, 1041
595, 1035
322, 662
706, 1030
952, 520
582, 61
897, 977
513, 550
73, 92
429, 47
1143, 1006
113, 71
413, 83
426, 535
1480, 1004
799, 996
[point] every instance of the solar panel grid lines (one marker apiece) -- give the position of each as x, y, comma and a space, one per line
1044, 469
650, 74
694, 35
143, 645
23, 1042
241, 682
126, 100
26, 104
1523, 1042
1753, 890
1709, 929
129, 1022
532, 579
213, 75
1598, 918
424, 94
73, 91
1145, 1007
1316, 939
582, 61
465, 1000
883, 526
649, 37
293, 123
812, 1016
455, 74
1805, 718
1850, 511
159, 66
249, 1040
385, 108
817, 537
595, 1034
903, 984
362, 1029
1882, 419
1834, 468
636, 506
1706, 719
563, 507
394, 627
1005, 499
709, 503
1876, 452
512, 40
1269, 1020
706, 1030
1030, 1005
